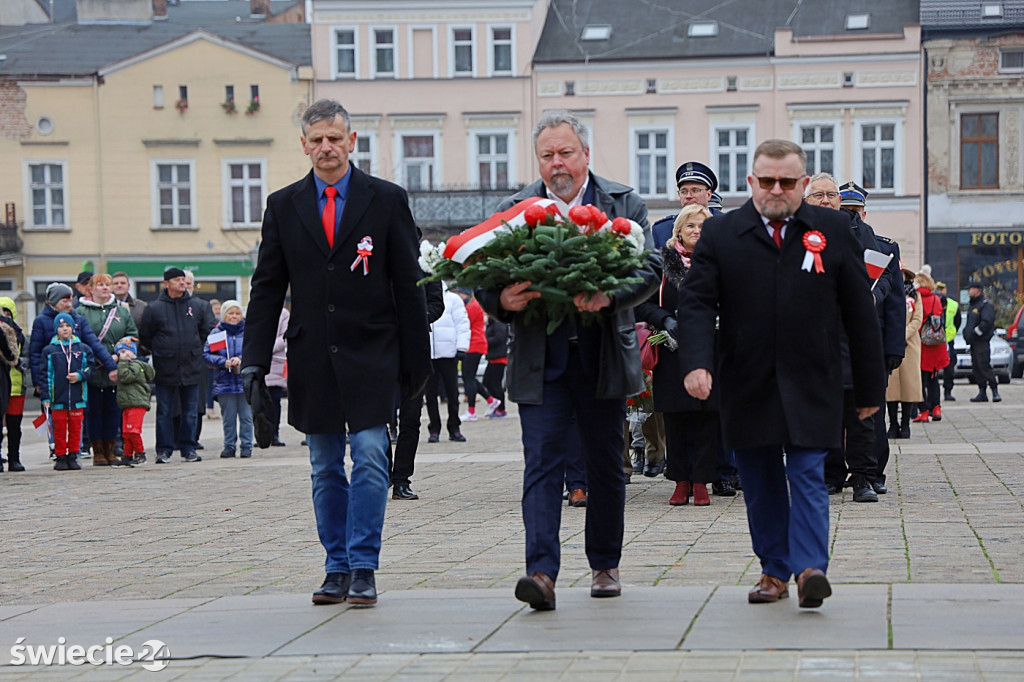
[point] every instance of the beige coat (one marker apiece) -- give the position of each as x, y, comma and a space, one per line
905, 382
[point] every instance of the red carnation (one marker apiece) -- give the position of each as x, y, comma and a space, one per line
580, 215
534, 214
621, 226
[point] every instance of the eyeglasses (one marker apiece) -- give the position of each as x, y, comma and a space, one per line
818, 196
691, 192
785, 183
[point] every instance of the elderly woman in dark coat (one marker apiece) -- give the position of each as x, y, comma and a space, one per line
692, 428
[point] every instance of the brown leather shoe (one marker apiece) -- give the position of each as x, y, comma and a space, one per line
767, 590
537, 590
812, 588
605, 583
577, 498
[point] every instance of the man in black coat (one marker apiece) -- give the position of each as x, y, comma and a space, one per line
581, 371
978, 331
174, 328
783, 277
346, 244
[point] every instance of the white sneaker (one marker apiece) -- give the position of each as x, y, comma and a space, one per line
491, 407
469, 417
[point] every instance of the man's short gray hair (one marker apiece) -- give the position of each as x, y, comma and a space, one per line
324, 109
553, 119
824, 176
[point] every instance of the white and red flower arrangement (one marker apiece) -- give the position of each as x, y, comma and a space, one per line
561, 257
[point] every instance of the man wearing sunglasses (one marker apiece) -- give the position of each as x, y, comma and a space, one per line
782, 278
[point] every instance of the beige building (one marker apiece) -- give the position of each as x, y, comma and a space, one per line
134, 146
974, 56
445, 94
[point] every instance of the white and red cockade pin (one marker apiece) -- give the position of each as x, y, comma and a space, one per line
365, 249
814, 242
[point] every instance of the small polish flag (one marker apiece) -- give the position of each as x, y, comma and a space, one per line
876, 262
42, 428
218, 341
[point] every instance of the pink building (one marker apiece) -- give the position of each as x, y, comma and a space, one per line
444, 94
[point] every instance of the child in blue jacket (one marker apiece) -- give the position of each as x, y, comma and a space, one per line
68, 363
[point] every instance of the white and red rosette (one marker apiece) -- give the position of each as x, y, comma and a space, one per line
462, 246
814, 243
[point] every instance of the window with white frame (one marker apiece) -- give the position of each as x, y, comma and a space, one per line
731, 156
818, 141
492, 160
502, 60
878, 161
345, 53
384, 53
650, 165
419, 160
173, 195
245, 186
363, 156
47, 193
462, 52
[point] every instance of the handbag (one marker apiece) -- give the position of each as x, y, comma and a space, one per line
648, 353
933, 331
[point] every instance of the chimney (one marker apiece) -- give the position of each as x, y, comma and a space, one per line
259, 9
159, 9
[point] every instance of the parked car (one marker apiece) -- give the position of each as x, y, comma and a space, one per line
1015, 337
1001, 353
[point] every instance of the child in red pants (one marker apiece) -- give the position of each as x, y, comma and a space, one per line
68, 364
133, 397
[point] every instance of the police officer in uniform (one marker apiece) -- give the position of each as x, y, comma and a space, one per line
978, 331
695, 183
892, 311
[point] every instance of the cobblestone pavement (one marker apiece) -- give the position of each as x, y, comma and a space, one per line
935, 569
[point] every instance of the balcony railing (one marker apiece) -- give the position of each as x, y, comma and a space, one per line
449, 210
10, 240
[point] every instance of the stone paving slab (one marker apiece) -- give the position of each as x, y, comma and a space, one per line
958, 617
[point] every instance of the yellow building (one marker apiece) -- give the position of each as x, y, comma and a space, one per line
138, 146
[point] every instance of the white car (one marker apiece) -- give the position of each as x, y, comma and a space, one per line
1001, 358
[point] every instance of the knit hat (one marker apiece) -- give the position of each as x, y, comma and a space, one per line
127, 343
57, 291
229, 304
84, 277
63, 318
172, 272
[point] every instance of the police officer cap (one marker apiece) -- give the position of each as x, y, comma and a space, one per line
715, 201
852, 194
695, 171
974, 284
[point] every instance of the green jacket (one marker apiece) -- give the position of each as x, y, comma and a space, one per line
951, 308
133, 377
17, 375
121, 326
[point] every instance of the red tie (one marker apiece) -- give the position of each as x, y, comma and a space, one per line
776, 226
328, 216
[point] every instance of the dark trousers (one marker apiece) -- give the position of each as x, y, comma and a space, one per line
408, 438
725, 464
788, 523
881, 448
930, 388
949, 371
276, 393
575, 464
176, 432
103, 416
470, 363
545, 443
859, 457
692, 443
445, 372
494, 382
13, 422
981, 366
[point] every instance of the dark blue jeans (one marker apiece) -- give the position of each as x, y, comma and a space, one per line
189, 396
546, 442
103, 414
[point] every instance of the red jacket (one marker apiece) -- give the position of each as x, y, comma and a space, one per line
933, 358
477, 337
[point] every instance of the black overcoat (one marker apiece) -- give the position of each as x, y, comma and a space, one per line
780, 373
350, 336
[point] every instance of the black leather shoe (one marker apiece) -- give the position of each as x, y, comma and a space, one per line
334, 590
457, 437
402, 491
734, 481
363, 589
833, 489
277, 443
862, 490
879, 487
652, 470
996, 398
982, 397
723, 489
948, 397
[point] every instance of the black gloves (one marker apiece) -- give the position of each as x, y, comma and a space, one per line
413, 383
892, 363
671, 326
258, 397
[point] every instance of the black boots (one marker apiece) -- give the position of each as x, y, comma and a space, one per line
982, 397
